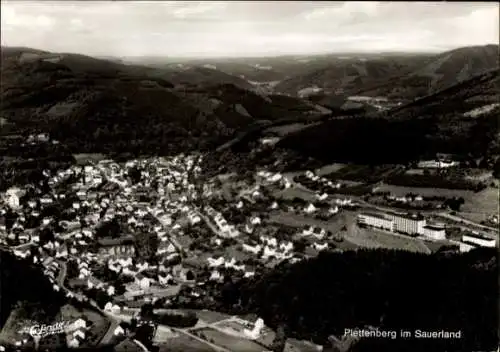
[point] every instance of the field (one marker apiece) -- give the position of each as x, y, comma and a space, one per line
371, 238
295, 192
84, 157
477, 205
232, 343
334, 225
183, 343
328, 169
287, 129
232, 325
164, 335
209, 316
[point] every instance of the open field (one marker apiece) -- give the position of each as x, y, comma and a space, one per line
295, 192
232, 325
328, 169
477, 205
164, 334
209, 316
334, 224
232, 343
184, 343
371, 238
82, 158
287, 129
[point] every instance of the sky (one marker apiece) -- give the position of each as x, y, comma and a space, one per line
245, 28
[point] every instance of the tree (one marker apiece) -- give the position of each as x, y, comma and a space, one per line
147, 245
279, 341
46, 235
135, 174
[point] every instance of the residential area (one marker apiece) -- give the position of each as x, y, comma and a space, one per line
141, 244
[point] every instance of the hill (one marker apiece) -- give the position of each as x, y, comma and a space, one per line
23, 283
348, 75
460, 120
386, 289
440, 72
94, 105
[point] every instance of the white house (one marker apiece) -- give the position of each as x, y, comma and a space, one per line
119, 331
255, 220
255, 332
254, 249
320, 247
310, 208
143, 281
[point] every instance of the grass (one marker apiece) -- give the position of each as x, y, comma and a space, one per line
287, 129
183, 343
85, 157
328, 169
210, 317
294, 192
232, 343
233, 325
371, 238
481, 203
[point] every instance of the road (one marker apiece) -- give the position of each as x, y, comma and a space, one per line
465, 221
63, 270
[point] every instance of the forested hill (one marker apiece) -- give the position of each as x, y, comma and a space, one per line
390, 290
22, 282
94, 105
461, 120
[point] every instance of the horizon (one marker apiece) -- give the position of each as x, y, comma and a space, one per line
245, 30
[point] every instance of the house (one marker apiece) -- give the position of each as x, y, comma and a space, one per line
215, 276
119, 331
215, 262
256, 331
110, 290
310, 209
254, 249
320, 247
318, 232
142, 281
286, 246
255, 220
322, 196
79, 324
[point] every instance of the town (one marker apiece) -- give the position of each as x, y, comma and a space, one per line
155, 233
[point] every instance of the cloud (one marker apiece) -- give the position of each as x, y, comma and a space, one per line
196, 9
345, 11
214, 28
12, 19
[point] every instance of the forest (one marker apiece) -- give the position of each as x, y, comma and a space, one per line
385, 289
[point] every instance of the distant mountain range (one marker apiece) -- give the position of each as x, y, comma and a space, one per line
95, 105
462, 119
396, 77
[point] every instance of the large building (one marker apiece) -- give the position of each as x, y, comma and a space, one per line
404, 223
435, 232
479, 240
411, 224
380, 221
